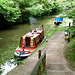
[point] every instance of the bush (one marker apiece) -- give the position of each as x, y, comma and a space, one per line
70, 49
10, 10
43, 8
70, 53
21, 10
72, 15
35, 11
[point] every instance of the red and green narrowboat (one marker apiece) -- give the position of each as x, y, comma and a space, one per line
29, 42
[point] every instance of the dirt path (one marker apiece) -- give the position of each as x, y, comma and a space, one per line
56, 62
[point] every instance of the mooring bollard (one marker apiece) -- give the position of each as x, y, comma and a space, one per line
39, 54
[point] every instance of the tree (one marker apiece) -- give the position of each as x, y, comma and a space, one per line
10, 10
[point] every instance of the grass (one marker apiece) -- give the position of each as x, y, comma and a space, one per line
5, 55
70, 53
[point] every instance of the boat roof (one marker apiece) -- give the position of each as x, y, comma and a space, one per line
34, 33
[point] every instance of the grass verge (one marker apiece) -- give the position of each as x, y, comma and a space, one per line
70, 53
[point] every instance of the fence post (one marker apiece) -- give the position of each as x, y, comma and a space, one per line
39, 54
45, 63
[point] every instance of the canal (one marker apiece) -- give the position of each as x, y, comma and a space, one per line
10, 38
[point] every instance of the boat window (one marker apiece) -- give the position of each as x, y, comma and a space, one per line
27, 41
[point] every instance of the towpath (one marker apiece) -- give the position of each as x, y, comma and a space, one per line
56, 63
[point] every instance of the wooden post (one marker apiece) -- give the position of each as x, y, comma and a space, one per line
45, 63
39, 54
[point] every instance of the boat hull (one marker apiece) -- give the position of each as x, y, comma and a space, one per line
57, 23
21, 55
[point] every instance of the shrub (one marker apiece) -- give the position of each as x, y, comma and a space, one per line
21, 10
10, 10
70, 53
72, 15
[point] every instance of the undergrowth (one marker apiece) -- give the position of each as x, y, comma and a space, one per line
70, 53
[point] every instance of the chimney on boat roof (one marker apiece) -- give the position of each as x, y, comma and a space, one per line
42, 27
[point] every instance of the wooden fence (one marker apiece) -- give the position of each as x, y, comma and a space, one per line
40, 65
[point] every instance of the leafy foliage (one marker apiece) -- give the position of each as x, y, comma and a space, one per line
45, 8
72, 31
10, 10
66, 4
0, 72
70, 49
21, 10
70, 53
72, 16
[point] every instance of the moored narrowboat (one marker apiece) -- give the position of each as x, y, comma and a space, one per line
29, 42
58, 20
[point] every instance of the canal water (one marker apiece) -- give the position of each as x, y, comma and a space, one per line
8, 66
10, 38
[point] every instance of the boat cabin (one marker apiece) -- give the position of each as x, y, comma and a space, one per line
32, 39
58, 20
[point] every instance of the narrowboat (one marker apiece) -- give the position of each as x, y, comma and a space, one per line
29, 42
58, 20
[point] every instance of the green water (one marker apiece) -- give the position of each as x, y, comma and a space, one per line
9, 39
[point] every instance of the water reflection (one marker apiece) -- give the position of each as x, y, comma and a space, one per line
8, 66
